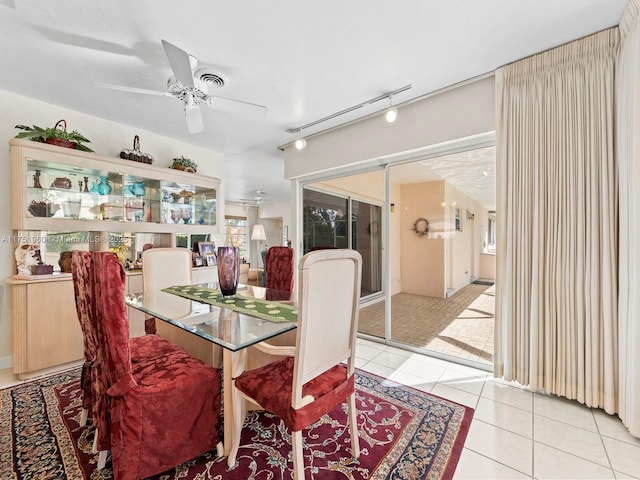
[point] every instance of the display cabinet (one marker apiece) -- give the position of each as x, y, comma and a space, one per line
85, 201
78, 191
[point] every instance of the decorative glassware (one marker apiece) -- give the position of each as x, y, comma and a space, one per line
71, 208
104, 188
228, 270
36, 180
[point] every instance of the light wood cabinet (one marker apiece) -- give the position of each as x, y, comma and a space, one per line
85, 201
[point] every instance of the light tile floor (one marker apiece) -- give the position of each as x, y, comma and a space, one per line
515, 433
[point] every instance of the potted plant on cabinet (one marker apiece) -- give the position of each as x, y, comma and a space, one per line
185, 164
57, 135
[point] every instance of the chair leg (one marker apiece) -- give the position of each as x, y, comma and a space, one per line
84, 416
102, 454
353, 425
298, 458
102, 459
239, 412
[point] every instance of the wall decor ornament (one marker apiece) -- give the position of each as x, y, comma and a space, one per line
421, 227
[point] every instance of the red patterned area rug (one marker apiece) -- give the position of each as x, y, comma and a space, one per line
404, 434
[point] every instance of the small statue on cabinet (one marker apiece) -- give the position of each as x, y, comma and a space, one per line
26, 257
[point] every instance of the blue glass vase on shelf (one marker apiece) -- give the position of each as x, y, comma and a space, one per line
104, 188
228, 270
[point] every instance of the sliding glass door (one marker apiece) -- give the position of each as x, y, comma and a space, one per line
331, 220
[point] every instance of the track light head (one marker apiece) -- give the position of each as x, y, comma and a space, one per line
391, 115
300, 143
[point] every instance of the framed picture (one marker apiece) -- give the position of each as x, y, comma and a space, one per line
197, 260
206, 248
211, 260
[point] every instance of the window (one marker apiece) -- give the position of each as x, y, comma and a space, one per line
457, 221
491, 232
236, 228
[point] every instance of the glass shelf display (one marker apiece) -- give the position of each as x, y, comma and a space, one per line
188, 204
62, 191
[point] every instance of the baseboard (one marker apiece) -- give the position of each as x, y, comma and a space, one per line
6, 362
450, 292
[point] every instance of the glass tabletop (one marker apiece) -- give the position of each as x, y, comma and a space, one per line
229, 329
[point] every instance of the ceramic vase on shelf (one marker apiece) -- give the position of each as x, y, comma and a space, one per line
228, 270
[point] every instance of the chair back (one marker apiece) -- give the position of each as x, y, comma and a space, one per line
83, 289
112, 322
280, 267
328, 308
165, 267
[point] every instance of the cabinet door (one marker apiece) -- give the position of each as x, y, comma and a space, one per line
204, 275
54, 336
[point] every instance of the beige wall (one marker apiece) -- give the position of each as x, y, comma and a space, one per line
464, 246
445, 259
423, 258
107, 138
460, 112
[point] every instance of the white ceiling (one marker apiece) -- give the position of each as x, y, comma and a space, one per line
303, 60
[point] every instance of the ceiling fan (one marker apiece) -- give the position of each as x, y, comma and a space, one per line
190, 85
256, 200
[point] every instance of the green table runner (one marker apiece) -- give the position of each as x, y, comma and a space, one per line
272, 311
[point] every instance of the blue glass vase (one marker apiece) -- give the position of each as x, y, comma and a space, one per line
228, 270
104, 188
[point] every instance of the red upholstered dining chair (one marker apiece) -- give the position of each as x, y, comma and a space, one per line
313, 378
279, 266
142, 349
150, 427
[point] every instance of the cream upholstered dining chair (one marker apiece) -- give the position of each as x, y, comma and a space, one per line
162, 268
313, 378
167, 267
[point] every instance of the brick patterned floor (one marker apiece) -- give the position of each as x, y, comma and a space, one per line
461, 325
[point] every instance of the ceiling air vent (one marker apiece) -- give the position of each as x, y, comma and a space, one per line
211, 77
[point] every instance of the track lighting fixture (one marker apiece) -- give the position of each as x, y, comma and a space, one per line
392, 112
390, 116
300, 143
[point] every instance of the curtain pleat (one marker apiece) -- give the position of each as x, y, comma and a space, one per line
556, 304
628, 154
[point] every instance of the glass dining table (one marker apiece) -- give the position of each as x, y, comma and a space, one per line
233, 324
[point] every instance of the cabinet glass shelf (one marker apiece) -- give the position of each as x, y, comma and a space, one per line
69, 192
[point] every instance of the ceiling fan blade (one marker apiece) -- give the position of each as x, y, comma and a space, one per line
180, 64
237, 106
194, 119
132, 89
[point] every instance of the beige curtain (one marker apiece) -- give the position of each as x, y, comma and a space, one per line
556, 304
628, 154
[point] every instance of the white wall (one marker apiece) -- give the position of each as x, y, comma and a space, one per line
107, 138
